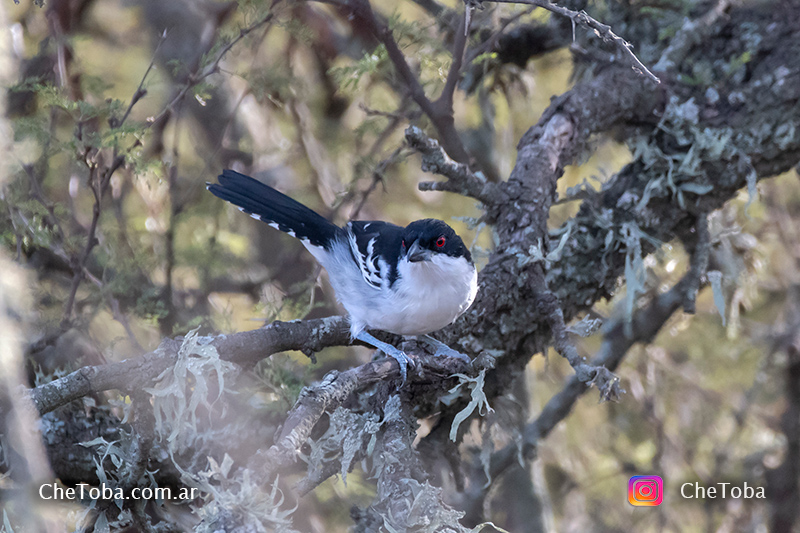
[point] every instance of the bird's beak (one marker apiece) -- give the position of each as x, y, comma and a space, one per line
416, 253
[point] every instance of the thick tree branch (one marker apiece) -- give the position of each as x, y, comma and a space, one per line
335, 388
691, 34
646, 324
245, 349
587, 267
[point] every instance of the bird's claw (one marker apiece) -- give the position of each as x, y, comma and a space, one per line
446, 351
400, 356
404, 361
443, 350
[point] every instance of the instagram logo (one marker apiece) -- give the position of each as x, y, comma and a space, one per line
645, 491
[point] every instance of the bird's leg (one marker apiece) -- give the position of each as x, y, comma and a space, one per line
442, 348
402, 359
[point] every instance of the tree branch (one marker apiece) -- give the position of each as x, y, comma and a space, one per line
445, 100
598, 375
245, 349
603, 30
141, 92
459, 177
646, 324
333, 390
691, 34
700, 259
440, 115
199, 75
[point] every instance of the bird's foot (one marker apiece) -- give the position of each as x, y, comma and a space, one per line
442, 349
400, 356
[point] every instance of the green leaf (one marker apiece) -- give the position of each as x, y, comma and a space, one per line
348, 77
485, 57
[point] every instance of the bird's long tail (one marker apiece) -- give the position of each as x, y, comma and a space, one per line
276, 209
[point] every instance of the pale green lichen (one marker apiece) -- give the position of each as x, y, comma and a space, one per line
715, 278
181, 389
478, 400
237, 502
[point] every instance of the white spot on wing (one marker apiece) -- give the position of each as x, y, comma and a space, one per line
371, 262
278, 227
368, 271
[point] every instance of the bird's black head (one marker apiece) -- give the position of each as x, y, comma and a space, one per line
423, 238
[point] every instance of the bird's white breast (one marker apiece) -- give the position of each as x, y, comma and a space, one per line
428, 295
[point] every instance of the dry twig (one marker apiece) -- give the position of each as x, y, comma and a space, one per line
602, 30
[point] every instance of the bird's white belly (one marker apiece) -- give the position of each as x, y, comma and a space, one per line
428, 295
435, 294
435, 311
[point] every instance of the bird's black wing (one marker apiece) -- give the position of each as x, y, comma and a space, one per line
372, 240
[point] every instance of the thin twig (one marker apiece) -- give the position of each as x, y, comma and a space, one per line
445, 100
440, 116
98, 184
598, 375
582, 18
490, 43
196, 77
79, 262
167, 322
377, 177
699, 263
395, 119
140, 90
38, 195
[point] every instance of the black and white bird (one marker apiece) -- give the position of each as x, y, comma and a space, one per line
407, 281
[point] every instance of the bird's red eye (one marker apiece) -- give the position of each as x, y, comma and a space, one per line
440, 242
403, 244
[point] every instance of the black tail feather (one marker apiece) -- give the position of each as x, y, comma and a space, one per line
275, 208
